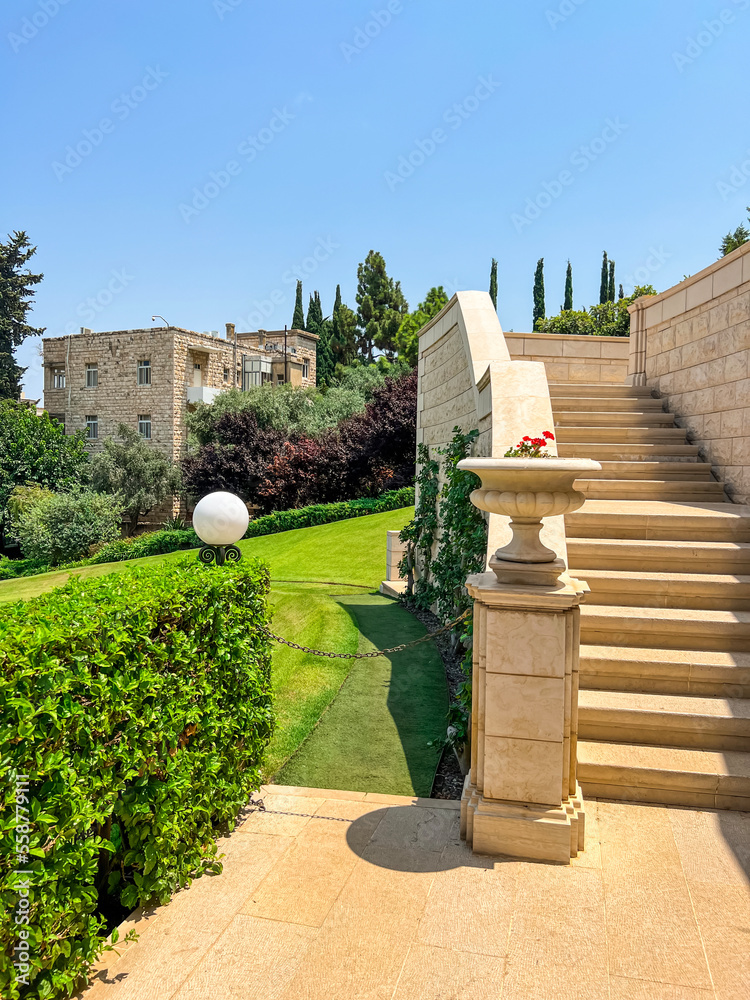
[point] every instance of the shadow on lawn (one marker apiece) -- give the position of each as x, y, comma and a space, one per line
417, 691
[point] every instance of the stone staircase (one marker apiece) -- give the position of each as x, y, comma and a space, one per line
664, 707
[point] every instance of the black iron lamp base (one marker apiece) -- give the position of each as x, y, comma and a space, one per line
219, 554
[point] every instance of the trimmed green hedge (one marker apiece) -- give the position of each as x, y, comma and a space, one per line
139, 707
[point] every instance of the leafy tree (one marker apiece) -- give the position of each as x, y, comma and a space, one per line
539, 293
381, 307
16, 293
136, 472
568, 304
493, 283
343, 335
604, 281
607, 319
611, 285
734, 239
407, 338
298, 320
61, 527
35, 449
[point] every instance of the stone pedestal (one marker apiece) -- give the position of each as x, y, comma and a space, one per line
521, 796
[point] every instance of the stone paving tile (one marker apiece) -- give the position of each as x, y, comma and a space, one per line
640, 989
416, 828
723, 913
713, 846
252, 960
286, 815
432, 973
557, 945
652, 932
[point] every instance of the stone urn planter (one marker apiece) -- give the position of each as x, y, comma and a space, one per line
527, 490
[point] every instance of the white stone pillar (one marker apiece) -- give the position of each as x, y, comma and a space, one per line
638, 335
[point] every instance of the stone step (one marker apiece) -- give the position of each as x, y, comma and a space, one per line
664, 720
698, 778
710, 591
627, 451
658, 556
665, 671
575, 418
602, 404
654, 470
665, 628
594, 389
643, 520
651, 489
620, 435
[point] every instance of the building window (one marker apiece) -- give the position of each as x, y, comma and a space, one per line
144, 373
92, 427
226, 374
144, 425
58, 378
306, 368
280, 379
92, 376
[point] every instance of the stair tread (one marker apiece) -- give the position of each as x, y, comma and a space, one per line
662, 508
712, 764
709, 617
690, 657
660, 577
668, 543
661, 704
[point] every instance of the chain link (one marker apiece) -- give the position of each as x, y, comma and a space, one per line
375, 652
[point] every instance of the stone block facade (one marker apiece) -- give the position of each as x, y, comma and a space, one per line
149, 378
572, 358
692, 344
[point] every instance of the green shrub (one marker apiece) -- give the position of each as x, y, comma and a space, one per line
152, 543
138, 707
61, 527
12, 568
324, 513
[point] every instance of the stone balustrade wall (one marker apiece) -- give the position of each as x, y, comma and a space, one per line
571, 358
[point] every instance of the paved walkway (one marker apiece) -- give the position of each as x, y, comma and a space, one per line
375, 898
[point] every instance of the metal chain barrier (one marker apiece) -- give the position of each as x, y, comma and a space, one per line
375, 652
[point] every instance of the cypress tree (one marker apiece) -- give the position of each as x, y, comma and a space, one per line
16, 293
621, 294
539, 313
604, 282
493, 283
568, 288
611, 285
343, 325
298, 320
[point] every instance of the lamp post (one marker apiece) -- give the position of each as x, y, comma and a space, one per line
220, 519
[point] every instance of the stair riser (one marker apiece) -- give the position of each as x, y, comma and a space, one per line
598, 489
582, 404
708, 681
592, 390
716, 597
585, 527
631, 790
696, 733
661, 560
731, 637
637, 471
581, 418
629, 452
620, 435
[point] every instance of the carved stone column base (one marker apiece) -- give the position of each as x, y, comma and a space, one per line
537, 832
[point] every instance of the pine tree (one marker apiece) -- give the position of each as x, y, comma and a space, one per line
16, 292
604, 282
298, 320
621, 294
568, 287
611, 285
493, 283
381, 307
539, 313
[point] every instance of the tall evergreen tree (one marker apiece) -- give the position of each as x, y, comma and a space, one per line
314, 313
604, 282
611, 285
16, 293
381, 307
493, 283
323, 328
539, 312
298, 320
407, 338
343, 336
621, 293
568, 287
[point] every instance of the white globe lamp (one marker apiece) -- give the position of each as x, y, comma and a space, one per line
220, 519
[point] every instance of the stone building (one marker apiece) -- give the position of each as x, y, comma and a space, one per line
148, 379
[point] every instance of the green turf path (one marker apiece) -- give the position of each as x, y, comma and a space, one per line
363, 727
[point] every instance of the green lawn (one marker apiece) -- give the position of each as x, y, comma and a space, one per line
363, 728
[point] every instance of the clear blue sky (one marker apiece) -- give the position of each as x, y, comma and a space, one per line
316, 105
